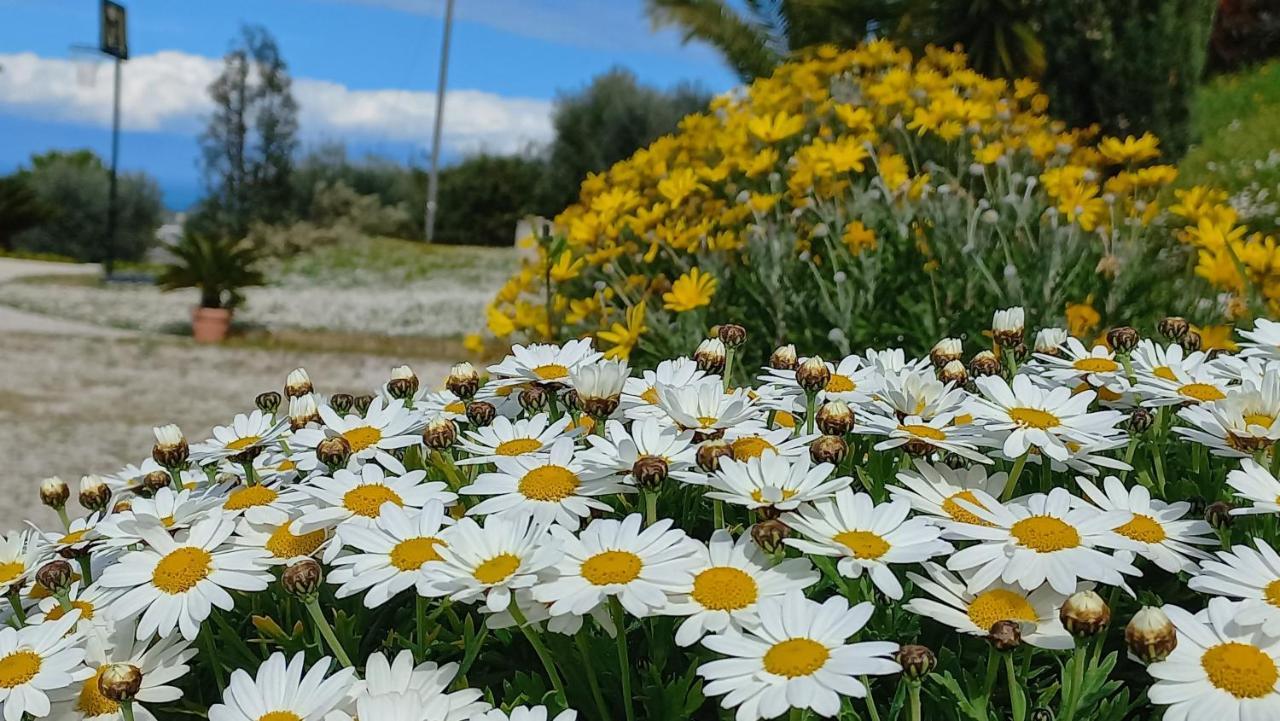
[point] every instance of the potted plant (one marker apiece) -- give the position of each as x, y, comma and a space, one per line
220, 267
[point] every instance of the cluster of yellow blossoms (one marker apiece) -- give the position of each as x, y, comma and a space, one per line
660, 234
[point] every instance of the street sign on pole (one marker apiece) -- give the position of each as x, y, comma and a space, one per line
113, 40
113, 37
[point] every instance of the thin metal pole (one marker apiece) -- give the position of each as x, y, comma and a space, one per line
433, 181
112, 210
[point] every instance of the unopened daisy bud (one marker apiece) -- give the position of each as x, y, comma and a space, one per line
710, 453
916, 661
54, 492
599, 387
1218, 515
954, 372
334, 452
154, 481
268, 402
122, 506
440, 434
533, 398
1150, 635
945, 351
1005, 635
403, 383
120, 682
55, 576
342, 403
1084, 614
835, 418
1140, 419
710, 356
1190, 341
361, 403
463, 381
94, 493
732, 335
302, 578
1007, 326
171, 448
481, 413
1049, 341
769, 535
1040, 713
813, 374
1173, 328
303, 410
784, 358
297, 383
650, 472
984, 364
828, 449
1123, 339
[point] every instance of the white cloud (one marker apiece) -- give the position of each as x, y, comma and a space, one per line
166, 91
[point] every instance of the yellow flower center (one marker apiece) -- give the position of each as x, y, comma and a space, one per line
707, 421
1143, 528
1045, 534
548, 483
367, 500
958, 512
362, 437
751, 447
455, 407
57, 612
285, 466
167, 521
283, 543
517, 447
840, 384
497, 569
1272, 593
758, 495
240, 444
1241, 669
784, 419
249, 497
280, 716
73, 537
724, 588
1033, 418
923, 431
1164, 372
1259, 419
990, 607
1095, 365
863, 544
650, 396
182, 569
91, 702
11, 570
18, 668
610, 567
795, 657
551, 371
1202, 392
411, 554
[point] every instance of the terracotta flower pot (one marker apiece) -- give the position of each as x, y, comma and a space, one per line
209, 325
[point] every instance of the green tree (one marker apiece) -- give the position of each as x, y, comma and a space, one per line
483, 197
20, 209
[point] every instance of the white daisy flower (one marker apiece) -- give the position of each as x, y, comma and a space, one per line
1163, 537
640, 395
866, 537
1166, 378
1251, 482
270, 469
543, 362
1238, 425
611, 558
1024, 416
262, 503
851, 381
1076, 366
557, 487
507, 438
526, 713
494, 560
81, 533
940, 433
176, 582
1168, 363
20, 552
975, 613
1219, 669
936, 489
167, 509
1041, 539
773, 480
1252, 576
37, 660
281, 539
538, 616
247, 434
280, 692
425, 685
1087, 458
602, 380
918, 392
893, 360
797, 658
729, 581
382, 429
1049, 340
621, 446
393, 554
1263, 341
441, 403
357, 497
706, 407
94, 604
752, 441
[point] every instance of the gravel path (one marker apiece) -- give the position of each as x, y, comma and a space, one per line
13, 320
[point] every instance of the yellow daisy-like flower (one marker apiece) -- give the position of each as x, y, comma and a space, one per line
1130, 150
691, 290
779, 126
625, 337
1082, 318
858, 237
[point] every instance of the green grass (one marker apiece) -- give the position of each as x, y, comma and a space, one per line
391, 260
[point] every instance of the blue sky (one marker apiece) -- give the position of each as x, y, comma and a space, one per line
365, 72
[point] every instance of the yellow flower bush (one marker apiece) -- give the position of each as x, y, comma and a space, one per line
867, 196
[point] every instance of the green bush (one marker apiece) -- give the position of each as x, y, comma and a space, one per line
1244, 32
483, 197
20, 209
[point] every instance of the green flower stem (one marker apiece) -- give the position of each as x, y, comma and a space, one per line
543, 654
553, 405
446, 466
86, 570
1076, 668
1128, 456
592, 680
62, 516
989, 683
322, 623
650, 507
1017, 699
1013, 477
871, 701
727, 381
810, 400
211, 655
175, 477
15, 601
1275, 461
717, 513
126, 710
420, 615
624, 662
798, 714
250, 476
1128, 366
913, 693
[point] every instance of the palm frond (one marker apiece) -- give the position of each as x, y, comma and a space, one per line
745, 46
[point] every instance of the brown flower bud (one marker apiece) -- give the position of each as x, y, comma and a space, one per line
710, 356
835, 418
1007, 326
1005, 635
268, 402
463, 381
171, 449
650, 472
120, 682
1218, 515
916, 661
403, 383
303, 410
769, 535
570, 398
1190, 341
1150, 635
1173, 328
54, 492
361, 403
440, 434
55, 576
1123, 339
828, 449
784, 358
342, 403
732, 335
813, 375
984, 364
298, 383
1140, 419
1084, 614
302, 578
481, 413
945, 351
600, 407
122, 506
1040, 713
710, 453
94, 493
533, 398
156, 480
334, 452
954, 372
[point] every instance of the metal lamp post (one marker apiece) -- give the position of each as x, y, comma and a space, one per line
113, 40
433, 180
